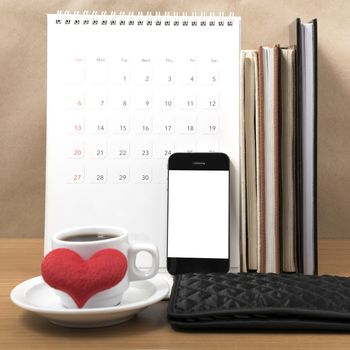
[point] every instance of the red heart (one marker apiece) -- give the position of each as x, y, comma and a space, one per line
65, 270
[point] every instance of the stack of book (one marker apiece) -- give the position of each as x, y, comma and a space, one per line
279, 155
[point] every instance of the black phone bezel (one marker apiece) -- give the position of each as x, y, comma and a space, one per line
200, 162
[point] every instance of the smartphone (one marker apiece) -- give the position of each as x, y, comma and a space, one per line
198, 227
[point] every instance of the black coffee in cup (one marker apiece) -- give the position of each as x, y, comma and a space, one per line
88, 237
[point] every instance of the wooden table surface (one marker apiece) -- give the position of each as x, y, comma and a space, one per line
20, 260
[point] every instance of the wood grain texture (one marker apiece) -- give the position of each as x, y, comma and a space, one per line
20, 260
23, 95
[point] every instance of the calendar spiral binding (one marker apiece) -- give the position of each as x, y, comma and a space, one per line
121, 18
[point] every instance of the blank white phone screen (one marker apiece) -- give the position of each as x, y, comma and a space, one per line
198, 214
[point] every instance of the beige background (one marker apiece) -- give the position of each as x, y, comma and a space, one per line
23, 96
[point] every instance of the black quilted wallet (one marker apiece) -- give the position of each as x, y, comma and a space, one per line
260, 301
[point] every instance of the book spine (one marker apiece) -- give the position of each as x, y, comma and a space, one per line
261, 164
277, 155
243, 227
298, 160
315, 149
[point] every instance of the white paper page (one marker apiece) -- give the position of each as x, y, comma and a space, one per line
121, 99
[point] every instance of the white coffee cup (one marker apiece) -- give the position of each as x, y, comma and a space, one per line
119, 241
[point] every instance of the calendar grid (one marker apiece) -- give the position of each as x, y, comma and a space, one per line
121, 99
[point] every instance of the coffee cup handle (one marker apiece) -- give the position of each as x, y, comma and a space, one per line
135, 274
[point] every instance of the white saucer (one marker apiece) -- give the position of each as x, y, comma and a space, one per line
36, 296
